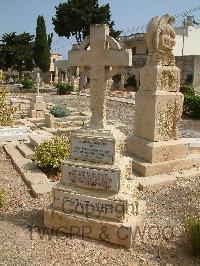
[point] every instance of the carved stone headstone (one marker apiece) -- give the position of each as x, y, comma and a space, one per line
94, 191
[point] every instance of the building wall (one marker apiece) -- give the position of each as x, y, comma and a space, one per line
54, 58
196, 80
191, 41
62, 64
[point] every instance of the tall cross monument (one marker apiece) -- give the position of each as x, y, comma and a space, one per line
101, 53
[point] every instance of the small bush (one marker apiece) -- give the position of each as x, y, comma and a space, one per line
6, 111
50, 153
60, 111
28, 84
1, 198
187, 90
64, 88
191, 107
193, 230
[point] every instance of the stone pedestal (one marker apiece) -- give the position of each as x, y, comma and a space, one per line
37, 107
94, 196
156, 146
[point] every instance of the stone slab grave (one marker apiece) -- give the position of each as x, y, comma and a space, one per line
22, 106
75, 119
8, 133
156, 145
33, 177
35, 138
94, 191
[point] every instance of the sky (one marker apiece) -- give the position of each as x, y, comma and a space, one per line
21, 15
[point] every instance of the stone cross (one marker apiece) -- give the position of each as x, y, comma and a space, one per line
103, 52
38, 80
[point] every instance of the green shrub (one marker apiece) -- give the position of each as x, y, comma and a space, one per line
6, 111
1, 198
28, 84
187, 90
191, 107
193, 230
64, 88
50, 153
60, 111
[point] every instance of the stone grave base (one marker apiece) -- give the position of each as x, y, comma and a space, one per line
37, 113
147, 169
157, 151
113, 232
96, 176
37, 107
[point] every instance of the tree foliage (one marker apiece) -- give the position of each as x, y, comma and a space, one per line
74, 18
16, 51
42, 45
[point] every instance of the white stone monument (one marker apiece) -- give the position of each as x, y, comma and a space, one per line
66, 77
38, 81
37, 104
122, 83
94, 195
51, 78
56, 76
156, 144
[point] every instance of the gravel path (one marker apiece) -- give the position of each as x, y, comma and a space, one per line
19, 245
121, 114
24, 240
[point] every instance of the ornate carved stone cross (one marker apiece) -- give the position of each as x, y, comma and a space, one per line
100, 53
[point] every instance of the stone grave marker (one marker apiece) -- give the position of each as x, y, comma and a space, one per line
94, 191
157, 145
37, 104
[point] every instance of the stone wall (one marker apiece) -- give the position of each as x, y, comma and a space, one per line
190, 66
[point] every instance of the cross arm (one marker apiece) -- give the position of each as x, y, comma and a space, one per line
118, 58
79, 58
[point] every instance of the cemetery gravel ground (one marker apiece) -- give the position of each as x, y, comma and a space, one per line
121, 114
162, 239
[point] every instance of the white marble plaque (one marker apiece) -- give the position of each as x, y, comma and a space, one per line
12, 134
91, 177
93, 149
72, 203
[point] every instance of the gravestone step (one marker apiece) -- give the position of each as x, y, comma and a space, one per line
69, 123
26, 150
33, 177
194, 145
76, 118
37, 138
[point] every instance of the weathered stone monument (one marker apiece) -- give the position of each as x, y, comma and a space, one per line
37, 104
156, 144
94, 198
66, 76
56, 76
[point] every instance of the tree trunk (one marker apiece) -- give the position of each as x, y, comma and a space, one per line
20, 74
